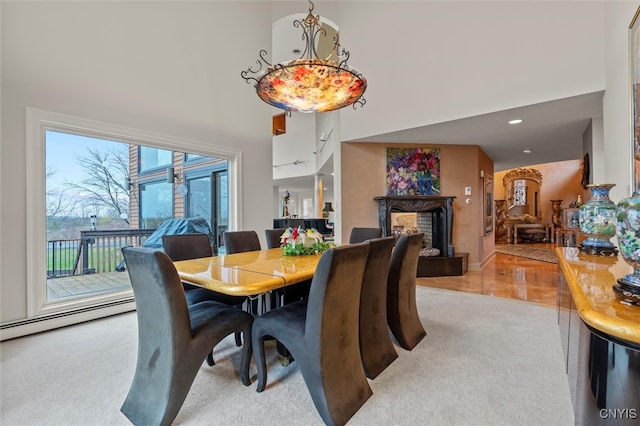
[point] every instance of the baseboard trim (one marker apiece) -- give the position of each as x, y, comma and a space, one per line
39, 324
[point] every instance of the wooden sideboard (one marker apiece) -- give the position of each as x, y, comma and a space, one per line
600, 339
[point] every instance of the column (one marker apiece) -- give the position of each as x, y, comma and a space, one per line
317, 196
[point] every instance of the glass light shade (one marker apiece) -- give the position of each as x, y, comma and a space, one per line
311, 85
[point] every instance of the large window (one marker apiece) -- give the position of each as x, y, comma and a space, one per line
153, 158
79, 181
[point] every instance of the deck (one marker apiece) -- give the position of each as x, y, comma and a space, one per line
90, 284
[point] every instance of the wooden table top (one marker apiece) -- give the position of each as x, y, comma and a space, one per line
590, 279
249, 273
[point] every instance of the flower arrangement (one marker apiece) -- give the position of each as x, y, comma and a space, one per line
298, 241
413, 171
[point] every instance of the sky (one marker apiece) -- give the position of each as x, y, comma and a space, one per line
62, 150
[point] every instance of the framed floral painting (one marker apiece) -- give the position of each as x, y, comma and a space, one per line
634, 77
413, 171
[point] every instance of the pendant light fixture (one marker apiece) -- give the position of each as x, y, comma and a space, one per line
309, 84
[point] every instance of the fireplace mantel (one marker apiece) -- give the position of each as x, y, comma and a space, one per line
441, 206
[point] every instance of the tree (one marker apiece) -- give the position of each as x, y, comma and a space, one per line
57, 204
106, 182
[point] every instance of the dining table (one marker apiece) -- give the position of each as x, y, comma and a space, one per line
251, 273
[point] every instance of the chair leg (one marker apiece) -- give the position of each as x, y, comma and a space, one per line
210, 361
238, 339
261, 362
247, 351
405, 324
159, 389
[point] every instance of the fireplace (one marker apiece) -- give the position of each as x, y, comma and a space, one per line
434, 217
431, 215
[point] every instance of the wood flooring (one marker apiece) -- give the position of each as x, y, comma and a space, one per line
507, 276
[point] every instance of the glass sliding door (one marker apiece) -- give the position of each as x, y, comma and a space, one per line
207, 197
94, 188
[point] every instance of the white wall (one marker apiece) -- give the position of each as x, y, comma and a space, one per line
428, 62
617, 101
158, 66
296, 145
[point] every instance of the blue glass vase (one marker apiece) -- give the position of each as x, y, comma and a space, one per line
628, 235
597, 221
425, 185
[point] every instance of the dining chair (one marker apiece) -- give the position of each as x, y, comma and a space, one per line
240, 241
193, 246
376, 347
359, 235
173, 338
402, 313
322, 335
273, 236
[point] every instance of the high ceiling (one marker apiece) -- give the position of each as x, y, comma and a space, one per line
553, 131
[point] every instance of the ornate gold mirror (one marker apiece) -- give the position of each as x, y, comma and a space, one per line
522, 193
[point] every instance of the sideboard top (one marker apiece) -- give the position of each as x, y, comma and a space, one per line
590, 279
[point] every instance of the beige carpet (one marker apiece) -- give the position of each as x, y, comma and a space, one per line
485, 361
521, 250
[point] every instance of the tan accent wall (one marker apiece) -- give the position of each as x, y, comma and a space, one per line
560, 181
364, 177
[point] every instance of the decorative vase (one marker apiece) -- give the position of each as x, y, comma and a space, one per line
628, 235
501, 218
597, 221
557, 213
425, 185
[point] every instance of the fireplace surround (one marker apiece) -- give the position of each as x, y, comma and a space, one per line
440, 212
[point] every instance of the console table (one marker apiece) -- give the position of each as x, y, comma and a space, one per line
547, 227
600, 338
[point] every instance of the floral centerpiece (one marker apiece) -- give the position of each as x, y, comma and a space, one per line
299, 241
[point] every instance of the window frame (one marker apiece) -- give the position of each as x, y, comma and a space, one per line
37, 122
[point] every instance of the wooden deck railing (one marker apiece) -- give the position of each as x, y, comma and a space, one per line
94, 252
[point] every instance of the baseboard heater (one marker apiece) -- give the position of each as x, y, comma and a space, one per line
62, 319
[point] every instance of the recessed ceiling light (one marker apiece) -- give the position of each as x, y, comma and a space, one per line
516, 121
527, 151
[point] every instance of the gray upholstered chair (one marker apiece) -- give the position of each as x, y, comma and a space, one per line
273, 236
376, 346
402, 313
173, 338
322, 335
193, 246
359, 235
241, 241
